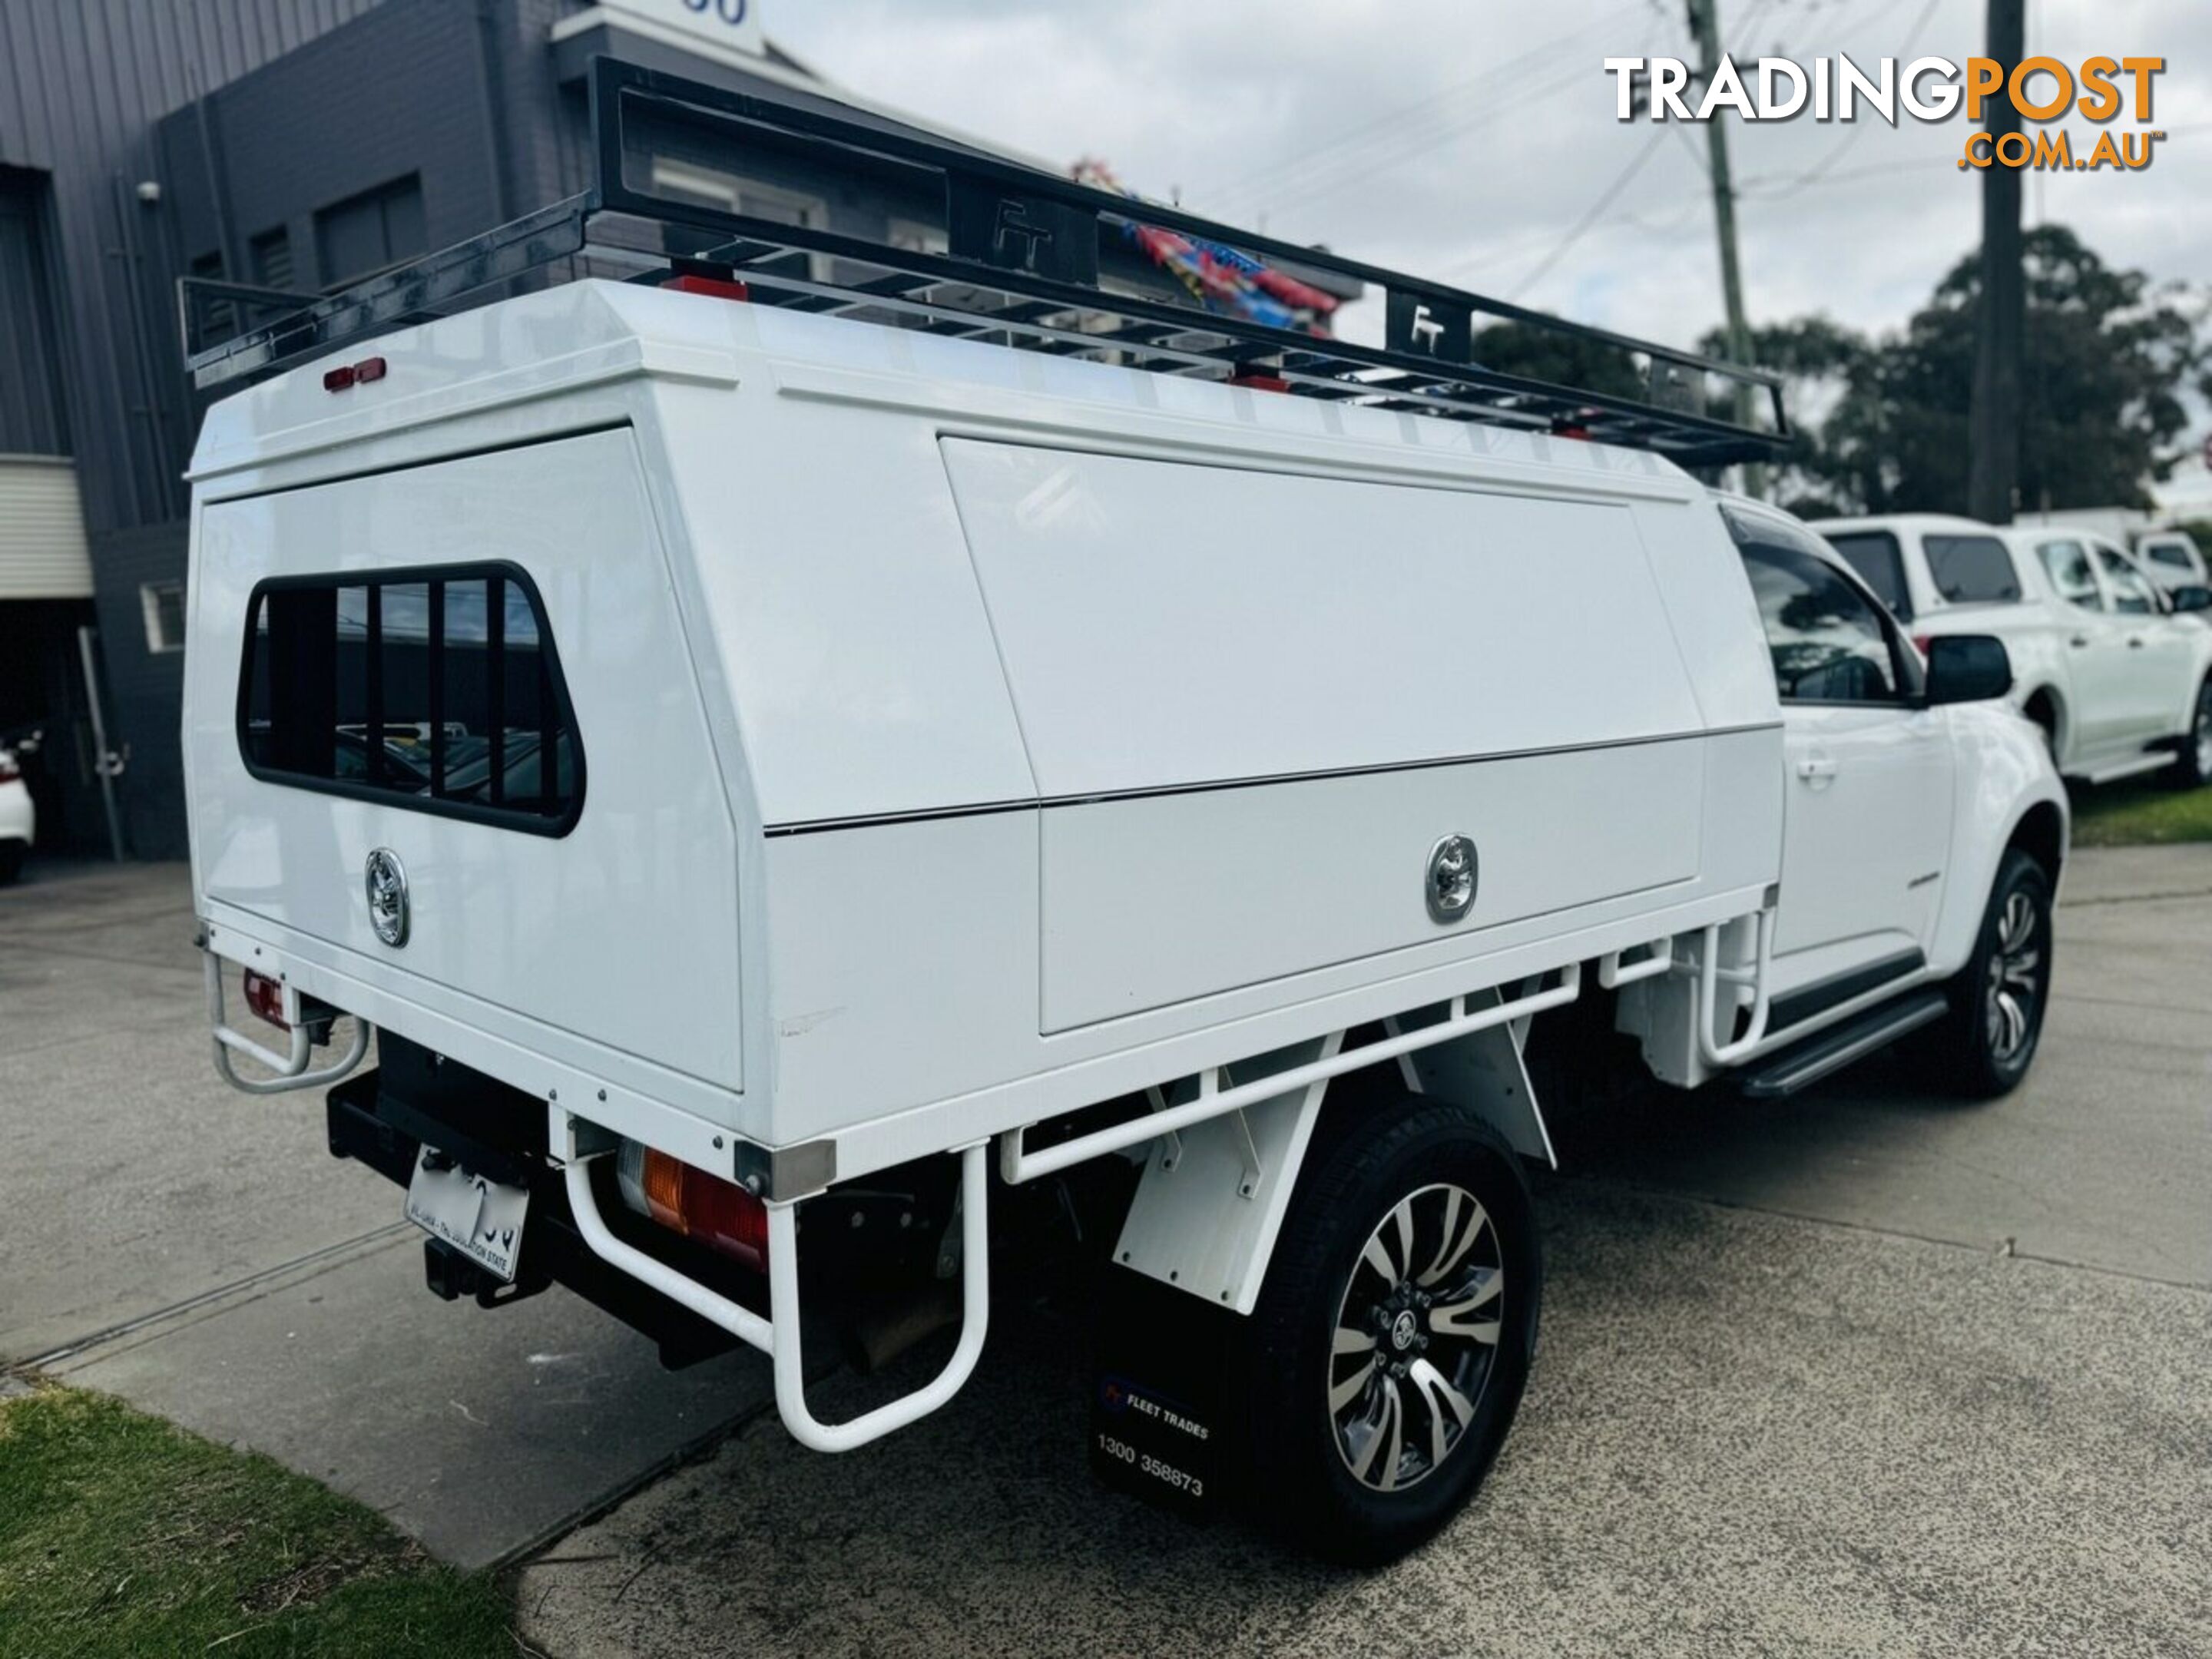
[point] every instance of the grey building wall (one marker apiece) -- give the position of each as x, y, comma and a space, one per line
259, 121
33, 416
82, 84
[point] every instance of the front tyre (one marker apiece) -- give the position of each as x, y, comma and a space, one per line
1998, 999
1392, 1338
2192, 767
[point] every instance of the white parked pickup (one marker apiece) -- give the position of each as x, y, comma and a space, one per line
838, 777
2171, 559
2120, 683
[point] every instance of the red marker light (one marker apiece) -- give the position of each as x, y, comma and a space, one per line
337, 379
714, 286
367, 369
265, 996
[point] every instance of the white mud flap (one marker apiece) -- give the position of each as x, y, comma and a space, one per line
1483, 1074
1213, 1197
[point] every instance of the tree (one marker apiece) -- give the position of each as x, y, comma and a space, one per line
2108, 357
1560, 358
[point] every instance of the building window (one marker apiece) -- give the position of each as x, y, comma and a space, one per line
370, 232
435, 689
914, 237
217, 319
163, 603
731, 194
271, 255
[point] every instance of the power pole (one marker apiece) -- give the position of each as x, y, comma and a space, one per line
1993, 420
1705, 27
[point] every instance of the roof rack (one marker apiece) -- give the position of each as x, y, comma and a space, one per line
1020, 267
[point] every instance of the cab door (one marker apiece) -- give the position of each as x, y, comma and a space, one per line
1866, 819
2093, 640
2159, 664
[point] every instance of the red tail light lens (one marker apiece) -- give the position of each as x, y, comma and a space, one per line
717, 1213
8, 770
265, 996
1920, 644
691, 282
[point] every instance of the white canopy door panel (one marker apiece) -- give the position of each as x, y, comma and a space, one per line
1254, 702
1164, 623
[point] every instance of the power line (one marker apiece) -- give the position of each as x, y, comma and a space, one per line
1611, 194
1819, 169
1353, 169
1375, 132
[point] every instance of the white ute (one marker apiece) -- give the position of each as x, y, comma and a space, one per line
815, 807
2115, 673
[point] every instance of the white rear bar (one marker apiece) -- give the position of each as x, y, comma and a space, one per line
291, 1067
778, 1337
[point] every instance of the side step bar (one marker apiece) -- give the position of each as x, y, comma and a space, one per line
1803, 1064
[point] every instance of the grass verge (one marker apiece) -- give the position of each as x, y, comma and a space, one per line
121, 1535
2140, 814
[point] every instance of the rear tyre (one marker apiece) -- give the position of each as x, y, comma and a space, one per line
1392, 1338
11, 860
1998, 999
2192, 767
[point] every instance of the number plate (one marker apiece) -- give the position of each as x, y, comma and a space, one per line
480, 1219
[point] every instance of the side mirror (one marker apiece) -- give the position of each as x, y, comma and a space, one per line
1967, 668
2192, 596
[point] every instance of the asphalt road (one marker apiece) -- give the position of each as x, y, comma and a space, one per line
1863, 1372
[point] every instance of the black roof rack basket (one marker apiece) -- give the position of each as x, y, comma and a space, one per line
1020, 266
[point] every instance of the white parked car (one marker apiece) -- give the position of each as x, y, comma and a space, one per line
2171, 559
19, 819
785, 780
2118, 685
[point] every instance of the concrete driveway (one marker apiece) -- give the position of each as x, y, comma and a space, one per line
200, 1253
1858, 1372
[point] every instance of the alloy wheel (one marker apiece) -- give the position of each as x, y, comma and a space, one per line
2014, 982
1416, 1337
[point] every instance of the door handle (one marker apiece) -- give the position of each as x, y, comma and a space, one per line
1816, 768
2135, 642
2079, 641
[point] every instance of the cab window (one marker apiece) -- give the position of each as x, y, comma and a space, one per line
1828, 639
2131, 594
2068, 565
1875, 554
1971, 569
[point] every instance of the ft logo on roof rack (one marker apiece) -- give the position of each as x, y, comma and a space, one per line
1931, 89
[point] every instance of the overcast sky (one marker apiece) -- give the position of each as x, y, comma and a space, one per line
1468, 141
